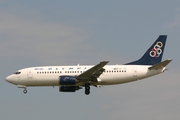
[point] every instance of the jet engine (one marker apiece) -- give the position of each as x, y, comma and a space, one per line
67, 80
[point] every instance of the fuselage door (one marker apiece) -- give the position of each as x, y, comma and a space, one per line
29, 73
134, 71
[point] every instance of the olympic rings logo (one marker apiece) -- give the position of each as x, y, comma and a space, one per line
156, 50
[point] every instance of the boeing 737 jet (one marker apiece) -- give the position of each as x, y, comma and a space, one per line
73, 78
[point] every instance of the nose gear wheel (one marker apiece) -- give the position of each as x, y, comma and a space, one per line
25, 91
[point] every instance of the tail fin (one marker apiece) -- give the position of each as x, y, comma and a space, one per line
154, 54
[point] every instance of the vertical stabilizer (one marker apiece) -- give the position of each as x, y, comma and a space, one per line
154, 54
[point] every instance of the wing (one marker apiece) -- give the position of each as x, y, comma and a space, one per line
93, 73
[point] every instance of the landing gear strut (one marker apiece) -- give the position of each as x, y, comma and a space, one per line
25, 91
87, 89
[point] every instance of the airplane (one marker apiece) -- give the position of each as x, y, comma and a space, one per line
73, 78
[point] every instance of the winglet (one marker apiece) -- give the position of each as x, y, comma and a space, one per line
161, 65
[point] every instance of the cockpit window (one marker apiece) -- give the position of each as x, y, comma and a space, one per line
17, 73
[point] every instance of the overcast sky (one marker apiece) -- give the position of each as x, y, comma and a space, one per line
68, 32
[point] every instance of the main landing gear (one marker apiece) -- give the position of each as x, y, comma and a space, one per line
87, 88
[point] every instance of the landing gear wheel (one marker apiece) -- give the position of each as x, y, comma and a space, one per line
24, 91
87, 92
87, 89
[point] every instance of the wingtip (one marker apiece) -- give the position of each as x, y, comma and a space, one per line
106, 61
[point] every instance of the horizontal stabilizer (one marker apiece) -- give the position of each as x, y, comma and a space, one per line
161, 64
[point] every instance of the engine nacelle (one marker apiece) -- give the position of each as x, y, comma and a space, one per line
67, 80
69, 88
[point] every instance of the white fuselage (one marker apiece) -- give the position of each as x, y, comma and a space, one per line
73, 78
49, 75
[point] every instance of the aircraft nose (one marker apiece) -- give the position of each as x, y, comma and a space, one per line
8, 79
13, 79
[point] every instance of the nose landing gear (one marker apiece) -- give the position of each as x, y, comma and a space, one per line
23, 86
25, 91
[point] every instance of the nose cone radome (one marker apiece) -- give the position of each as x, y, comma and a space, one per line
10, 79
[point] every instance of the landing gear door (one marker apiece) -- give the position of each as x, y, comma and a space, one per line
29, 73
